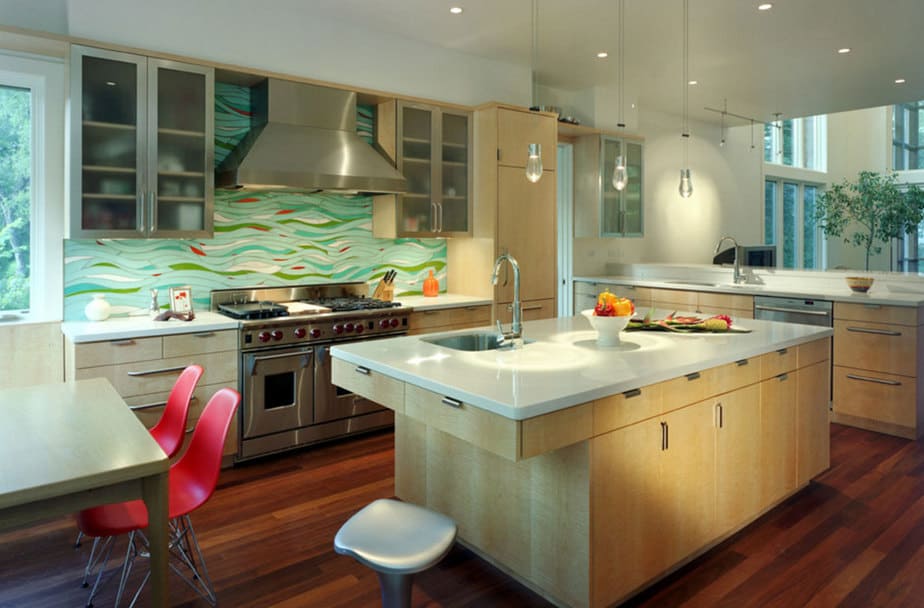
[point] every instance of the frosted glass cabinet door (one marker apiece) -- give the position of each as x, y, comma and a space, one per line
415, 161
621, 211
454, 172
611, 201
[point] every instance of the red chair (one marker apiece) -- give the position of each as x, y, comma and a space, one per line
192, 481
171, 428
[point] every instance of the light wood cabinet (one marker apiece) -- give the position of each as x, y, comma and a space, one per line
876, 368
142, 146
448, 319
600, 209
517, 128
735, 305
532, 310
144, 370
737, 440
778, 437
813, 435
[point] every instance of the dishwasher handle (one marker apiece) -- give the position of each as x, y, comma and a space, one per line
801, 311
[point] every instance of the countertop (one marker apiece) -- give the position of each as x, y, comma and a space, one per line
121, 328
563, 366
444, 300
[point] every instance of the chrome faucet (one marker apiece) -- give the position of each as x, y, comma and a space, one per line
737, 277
516, 326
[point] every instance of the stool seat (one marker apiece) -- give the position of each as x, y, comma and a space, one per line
394, 537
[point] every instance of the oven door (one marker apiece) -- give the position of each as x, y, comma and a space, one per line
278, 387
332, 402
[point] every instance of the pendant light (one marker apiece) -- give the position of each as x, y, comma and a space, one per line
686, 181
620, 175
534, 151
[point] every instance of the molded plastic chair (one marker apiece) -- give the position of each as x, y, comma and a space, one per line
171, 428
192, 481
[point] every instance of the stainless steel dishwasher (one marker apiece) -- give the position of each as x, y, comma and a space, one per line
793, 310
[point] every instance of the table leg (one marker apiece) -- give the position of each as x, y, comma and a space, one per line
154, 491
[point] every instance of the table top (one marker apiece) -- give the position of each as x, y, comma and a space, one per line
60, 438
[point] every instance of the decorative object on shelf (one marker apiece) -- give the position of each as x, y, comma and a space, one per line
98, 308
859, 284
608, 328
181, 300
875, 207
534, 151
686, 181
431, 287
620, 175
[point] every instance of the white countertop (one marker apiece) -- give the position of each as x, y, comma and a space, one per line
444, 300
121, 328
563, 366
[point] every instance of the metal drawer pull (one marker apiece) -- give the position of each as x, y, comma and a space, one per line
362, 370
532, 307
665, 443
782, 351
741, 362
693, 376
205, 334
817, 313
783, 376
635, 392
122, 342
152, 372
868, 330
146, 406
452, 402
721, 414
876, 380
431, 312
873, 306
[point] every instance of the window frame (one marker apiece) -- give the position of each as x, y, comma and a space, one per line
781, 181
818, 131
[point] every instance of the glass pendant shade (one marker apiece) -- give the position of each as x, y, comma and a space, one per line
534, 163
686, 183
620, 176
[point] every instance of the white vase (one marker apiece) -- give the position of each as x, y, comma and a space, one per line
98, 308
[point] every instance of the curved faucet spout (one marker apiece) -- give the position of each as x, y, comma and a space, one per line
737, 277
516, 326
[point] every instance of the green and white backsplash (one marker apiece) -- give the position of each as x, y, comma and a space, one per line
260, 239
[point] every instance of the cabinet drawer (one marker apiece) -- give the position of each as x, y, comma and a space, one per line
876, 346
875, 396
624, 409
158, 376
683, 391
517, 129
732, 376
428, 319
180, 345
675, 299
555, 430
725, 301
777, 362
533, 310
369, 384
468, 316
92, 354
813, 352
877, 313
479, 427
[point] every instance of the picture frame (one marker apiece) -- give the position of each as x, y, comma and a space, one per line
181, 299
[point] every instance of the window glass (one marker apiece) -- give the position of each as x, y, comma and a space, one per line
15, 196
769, 212
809, 230
798, 142
768, 142
908, 136
790, 192
788, 144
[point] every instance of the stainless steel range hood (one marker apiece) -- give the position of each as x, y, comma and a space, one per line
304, 137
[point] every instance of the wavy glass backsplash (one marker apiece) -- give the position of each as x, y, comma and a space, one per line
260, 238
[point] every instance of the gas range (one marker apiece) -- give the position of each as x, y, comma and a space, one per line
305, 314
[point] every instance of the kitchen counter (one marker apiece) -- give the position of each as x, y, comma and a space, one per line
444, 300
121, 328
563, 366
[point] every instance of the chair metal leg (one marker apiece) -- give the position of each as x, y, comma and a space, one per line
78, 539
99, 560
396, 589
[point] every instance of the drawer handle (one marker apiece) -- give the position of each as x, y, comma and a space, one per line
876, 380
873, 306
205, 334
635, 392
783, 377
146, 406
868, 330
152, 372
693, 376
362, 370
664, 436
431, 312
473, 308
741, 362
531, 307
452, 402
782, 351
720, 413
122, 342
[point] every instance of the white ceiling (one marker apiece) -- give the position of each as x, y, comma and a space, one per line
783, 60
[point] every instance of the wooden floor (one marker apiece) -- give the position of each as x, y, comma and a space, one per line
855, 537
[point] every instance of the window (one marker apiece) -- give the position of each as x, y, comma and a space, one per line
799, 142
908, 136
789, 222
31, 191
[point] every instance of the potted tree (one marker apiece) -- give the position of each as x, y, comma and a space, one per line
871, 210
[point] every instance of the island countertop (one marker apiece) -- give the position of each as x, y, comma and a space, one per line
563, 366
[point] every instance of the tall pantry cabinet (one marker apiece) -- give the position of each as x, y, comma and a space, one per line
512, 214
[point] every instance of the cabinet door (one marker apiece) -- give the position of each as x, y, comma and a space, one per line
738, 489
611, 209
526, 230
778, 437
455, 163
517, 129
632, 196
180, 149
108, 105
417, 212
813, 434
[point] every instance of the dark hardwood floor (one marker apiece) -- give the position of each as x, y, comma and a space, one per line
854, 537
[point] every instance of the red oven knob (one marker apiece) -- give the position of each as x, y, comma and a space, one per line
315, 333
263, 336
300, 332
359, 328
349, 327
384, 324
277, 334
338, 329
394, 322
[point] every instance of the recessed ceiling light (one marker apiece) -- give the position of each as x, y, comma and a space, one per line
766, 6
843, 51
456, 10
693, 82
899, 81
602, 55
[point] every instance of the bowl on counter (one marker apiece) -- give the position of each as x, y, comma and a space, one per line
859, 284
608, 328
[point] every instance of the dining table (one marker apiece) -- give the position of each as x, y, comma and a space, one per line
67, 446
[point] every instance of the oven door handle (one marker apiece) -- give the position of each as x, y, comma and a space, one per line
304, 354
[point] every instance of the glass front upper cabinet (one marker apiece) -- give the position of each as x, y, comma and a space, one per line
142, 145
621, 211
434, 155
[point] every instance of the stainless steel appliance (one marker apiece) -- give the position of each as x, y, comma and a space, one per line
288, 399
794, 310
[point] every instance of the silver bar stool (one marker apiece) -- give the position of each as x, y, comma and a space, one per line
397, 540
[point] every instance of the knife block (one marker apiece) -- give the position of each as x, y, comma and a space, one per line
384, 291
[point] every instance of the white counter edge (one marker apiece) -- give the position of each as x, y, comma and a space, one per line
125, 328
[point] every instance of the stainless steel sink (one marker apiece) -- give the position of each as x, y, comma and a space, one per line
473, 342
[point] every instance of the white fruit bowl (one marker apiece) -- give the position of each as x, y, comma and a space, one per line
608, 328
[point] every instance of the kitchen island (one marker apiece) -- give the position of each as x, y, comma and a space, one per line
590, 472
